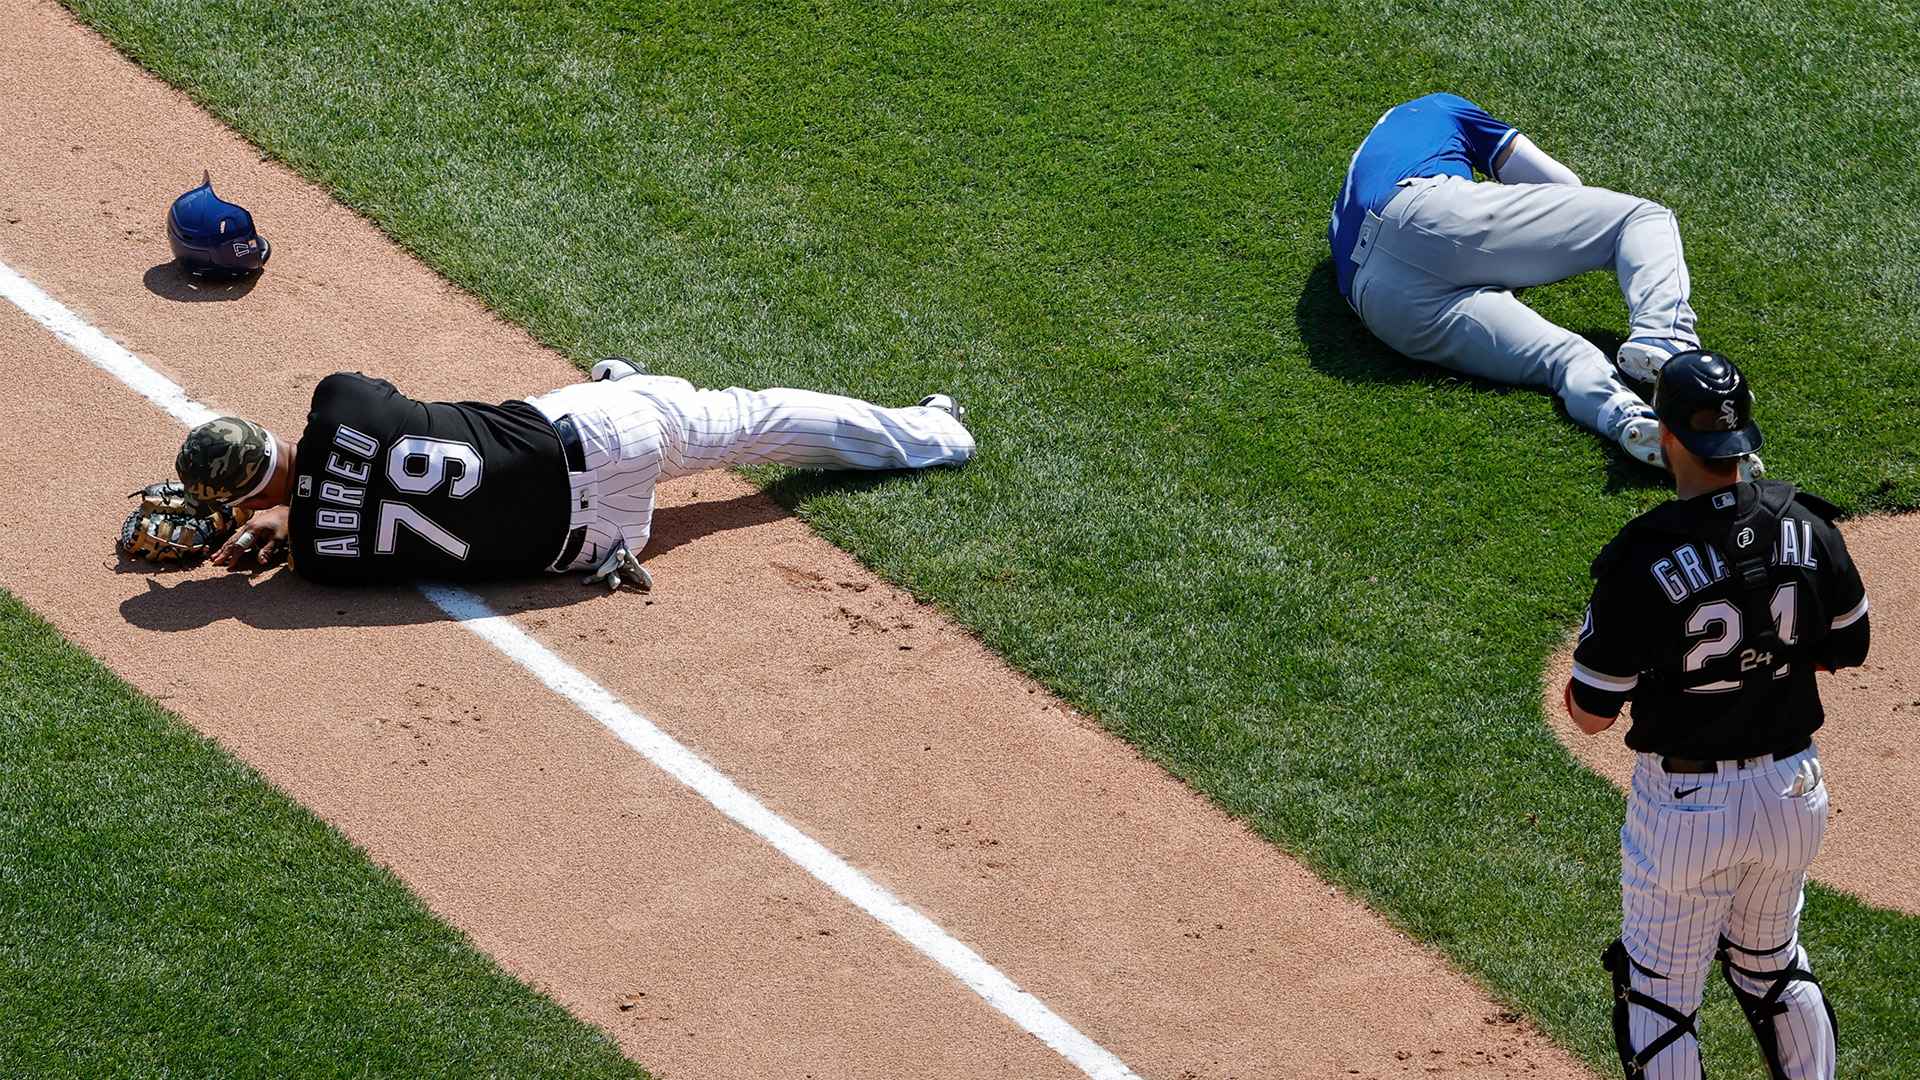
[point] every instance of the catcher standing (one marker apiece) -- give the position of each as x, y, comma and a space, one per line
1711, 614
381, 487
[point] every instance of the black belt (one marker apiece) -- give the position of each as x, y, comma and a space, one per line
576, 457
1707, 765
570, 444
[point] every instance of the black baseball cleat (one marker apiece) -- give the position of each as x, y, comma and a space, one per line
946, 405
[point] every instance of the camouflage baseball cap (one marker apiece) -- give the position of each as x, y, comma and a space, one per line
225, 460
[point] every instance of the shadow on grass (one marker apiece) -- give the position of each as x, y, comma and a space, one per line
794, 487
1338, 344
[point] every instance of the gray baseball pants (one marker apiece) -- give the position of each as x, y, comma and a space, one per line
1447, 253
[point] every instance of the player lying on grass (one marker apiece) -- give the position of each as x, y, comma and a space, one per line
1711, 613
380, 487
1430, 259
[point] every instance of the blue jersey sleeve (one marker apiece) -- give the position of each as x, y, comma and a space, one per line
1484, 136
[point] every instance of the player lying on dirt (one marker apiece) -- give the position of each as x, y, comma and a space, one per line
381, 487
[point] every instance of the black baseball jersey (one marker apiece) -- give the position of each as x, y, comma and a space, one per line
1711, 614
387, 487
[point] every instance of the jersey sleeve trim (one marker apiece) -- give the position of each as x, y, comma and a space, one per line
1498, 149
1841, 622
1612, 684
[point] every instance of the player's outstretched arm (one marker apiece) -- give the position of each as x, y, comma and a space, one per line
1524, 163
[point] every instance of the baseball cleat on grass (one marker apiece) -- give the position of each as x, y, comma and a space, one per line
1642, 357
615, 368
946, 405
1640, 438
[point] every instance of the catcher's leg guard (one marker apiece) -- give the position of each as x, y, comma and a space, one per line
1621, 966
1796, 1038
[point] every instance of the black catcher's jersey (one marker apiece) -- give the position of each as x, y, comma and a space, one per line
387, 487
1716, 651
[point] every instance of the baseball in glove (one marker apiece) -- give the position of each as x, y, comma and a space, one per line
170, 526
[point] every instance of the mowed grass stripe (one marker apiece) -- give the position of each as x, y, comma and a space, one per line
1313, 579
165, 912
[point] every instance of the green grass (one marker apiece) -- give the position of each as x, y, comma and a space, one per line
166, 913
1313, 579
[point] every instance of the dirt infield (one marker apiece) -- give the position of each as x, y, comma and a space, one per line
1132, 907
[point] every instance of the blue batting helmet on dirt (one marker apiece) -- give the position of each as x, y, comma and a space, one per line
211, 236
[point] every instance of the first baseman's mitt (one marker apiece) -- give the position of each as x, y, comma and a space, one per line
170, 526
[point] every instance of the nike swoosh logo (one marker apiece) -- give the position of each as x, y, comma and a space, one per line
1684, 792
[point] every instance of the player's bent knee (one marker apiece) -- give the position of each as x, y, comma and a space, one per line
1649, 208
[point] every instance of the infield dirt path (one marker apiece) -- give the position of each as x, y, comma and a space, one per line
1159, 927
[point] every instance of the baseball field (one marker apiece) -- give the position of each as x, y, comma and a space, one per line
1210, 705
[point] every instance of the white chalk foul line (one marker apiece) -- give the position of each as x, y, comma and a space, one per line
730, 799
69, 327
636, 731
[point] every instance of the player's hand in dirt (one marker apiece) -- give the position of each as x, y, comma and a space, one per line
263, 536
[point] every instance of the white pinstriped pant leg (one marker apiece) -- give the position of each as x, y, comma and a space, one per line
641, 429
1676, 890
1727, 857
1784, 833
810, 430
625, 440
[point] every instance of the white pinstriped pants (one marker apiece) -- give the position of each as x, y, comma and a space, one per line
1709, 854
1438, 283
642, 429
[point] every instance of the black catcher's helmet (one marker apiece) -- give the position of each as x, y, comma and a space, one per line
1705, 401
